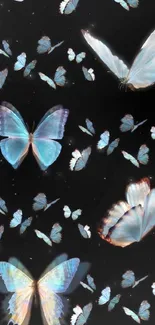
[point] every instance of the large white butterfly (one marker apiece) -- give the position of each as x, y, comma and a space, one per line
142, 71
23, 288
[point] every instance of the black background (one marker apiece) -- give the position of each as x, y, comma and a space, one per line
103, 182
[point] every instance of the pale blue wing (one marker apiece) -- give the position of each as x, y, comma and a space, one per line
14, 110
3, 76
55, 234
128, 279
91, 282
90, 126
131, 313
113, 145
143, 156
44, 45
82, 161
123, 4
88, 74
71, 54
131, 158
45, 78
29, 68
21, 61
7, 47
104, 140
14, 150
68, 6
1, 231
17, 218
127, 123
80, 57
41, 235
133, 3
46, 151
82, 318
40, 202
59, 76
3, 207
144, 312
84, 231
113, 302
25, 225
105, 296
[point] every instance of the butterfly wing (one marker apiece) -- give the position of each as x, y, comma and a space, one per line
29, 68
130, 313
45, 78
112, 146
44, 45
68, 6
67, 211
3, 207
144, 312
113, 302
152, 132
21, 61
40, 202
133, 3
116, 65
7, 47
90, 126
84, 231
41, 235
104, 140
105, 296
91, 282
82, 318
1, 231
143, 156
25, 225
88, 74
80, 57
76, 214
51, 284
127, 123
123, 4
59, 76
82, 160
55, 234
3, 76
17, 218
136, 192
71, 54
128, 279
130, 158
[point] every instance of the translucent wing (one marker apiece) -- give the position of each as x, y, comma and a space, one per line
90, 126
71, 54
143, 156
128, 279
116, 65
41, 235
14, 150
45, 78
105, 296
133, 3
79, 160
3, 207
76, 214
123, 4
45, 152
130, 313
7, 47
148, 221
44, 45
144, 312
88, 74
3, 76
84, 231
1, 231
68, 6
83, 129
152, 132
25, 225
104, 140
136, 193
77, 311
153, 288
17, 218
91, 282
21, 61
86, 286
113, 302
55, 234
112, 146
83, 317
127, 123
59, 76
67, 211
40, 202
29, 68
80, 57
131, 158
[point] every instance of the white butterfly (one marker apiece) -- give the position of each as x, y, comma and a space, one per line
58, 80
88, 74
17, 220
40, 202
153, 288
131, 3
55, 235
129, 279
68, 6
152, 132
128, 123
142, 157
23, 288
7, 51
142, 71
143, 312
78, 58
105, 297
3, 76
104, 142
80, 315
3, 208
74, 215
21, 62
91, 286
80, 159
90, 128
84, 231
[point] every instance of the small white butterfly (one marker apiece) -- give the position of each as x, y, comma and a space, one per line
88, 74
105, 297
58, 80
17, 220
153, 288
21, 63
143, 312
7, 51
78, 58
90, 128
104, 142
40, 202
142, 157
128, 123
129, 279
84, 231
3, 208
80, 159
74, 215
68, 6
55, 235
91, 286
80, 315
152, 132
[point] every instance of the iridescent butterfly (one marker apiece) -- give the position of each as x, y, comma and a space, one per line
17, 220
80, 315
58, 80
80, 159
78, 58
55, 235
55, 280
3, 76
1, 231
7, 51
84, 231
45, 149
90, 128
105, 297
142, 156
88, 74
91, 286
68, 213
128, 3
3, 207
45, 46
143, 312
21, 62
129, 279
128, 123
40, 202
104, 142
68, 6
130, 221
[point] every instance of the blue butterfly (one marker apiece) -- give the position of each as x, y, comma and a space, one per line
44, 147
44, 45
68, 6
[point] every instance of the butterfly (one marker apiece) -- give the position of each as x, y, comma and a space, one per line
7, 51
55, 235
143, 312
3, 208
1, 231
44, 45
153, 288
130, 221
59, 78
129, 280
23, 288
17, 220
105, 297
131, 3
142, 156
91, 286
40, 202
128, 123
88, 74
152, 132
80, 159
104, 142
74, 215
80, 315
84, 231
21, 62
3, 76
45, 149
89, 128
72, 56
142, 71
68, 6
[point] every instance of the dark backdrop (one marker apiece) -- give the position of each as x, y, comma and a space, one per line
103, 181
